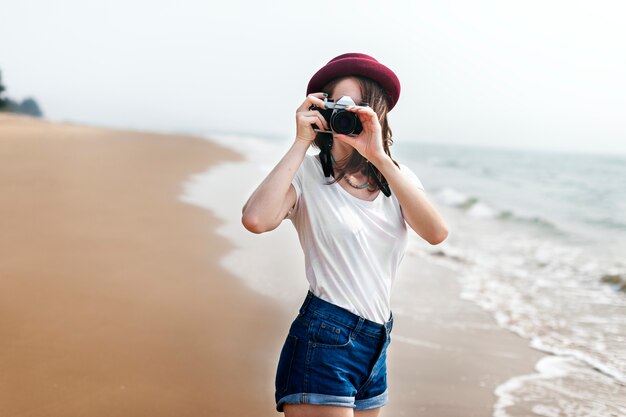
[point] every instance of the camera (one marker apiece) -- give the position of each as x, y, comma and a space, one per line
338, 118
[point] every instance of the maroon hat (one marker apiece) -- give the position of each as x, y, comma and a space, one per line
356, 64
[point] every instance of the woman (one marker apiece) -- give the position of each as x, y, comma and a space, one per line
333, 360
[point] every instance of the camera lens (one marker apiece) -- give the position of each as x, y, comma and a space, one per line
343, 122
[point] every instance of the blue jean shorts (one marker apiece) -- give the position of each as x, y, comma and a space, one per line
332, 356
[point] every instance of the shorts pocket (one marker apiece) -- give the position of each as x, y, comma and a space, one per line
328, 333
283, 370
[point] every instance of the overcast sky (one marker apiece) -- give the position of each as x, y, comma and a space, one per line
528, 74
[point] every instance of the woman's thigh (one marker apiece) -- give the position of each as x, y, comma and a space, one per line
317, 410
314, 410
374, 412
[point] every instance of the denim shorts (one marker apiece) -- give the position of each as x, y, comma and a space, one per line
332, 356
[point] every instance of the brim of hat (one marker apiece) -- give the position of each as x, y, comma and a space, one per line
355, 66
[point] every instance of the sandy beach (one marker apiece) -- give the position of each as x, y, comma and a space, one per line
114, 299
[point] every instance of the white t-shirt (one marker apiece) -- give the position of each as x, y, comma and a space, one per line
352, 247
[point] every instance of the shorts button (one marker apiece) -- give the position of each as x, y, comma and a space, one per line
337, 330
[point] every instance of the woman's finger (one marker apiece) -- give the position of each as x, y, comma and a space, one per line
312, 120
367, 115
368, 111
316, 113
312, 99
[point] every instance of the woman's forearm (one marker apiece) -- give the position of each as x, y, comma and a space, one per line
417, 210
268, 204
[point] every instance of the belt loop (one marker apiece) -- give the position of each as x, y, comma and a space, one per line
307, 301
358, 327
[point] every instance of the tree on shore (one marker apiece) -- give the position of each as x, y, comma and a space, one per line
28, 106
3, 101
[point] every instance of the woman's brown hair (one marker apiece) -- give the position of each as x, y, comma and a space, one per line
378, 99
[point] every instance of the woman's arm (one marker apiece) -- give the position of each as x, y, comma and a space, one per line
418, 212
271, 201
275, 196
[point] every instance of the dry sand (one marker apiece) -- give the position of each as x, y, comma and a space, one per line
113, 301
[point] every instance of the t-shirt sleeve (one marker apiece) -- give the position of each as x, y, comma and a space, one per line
297, 185
411, 176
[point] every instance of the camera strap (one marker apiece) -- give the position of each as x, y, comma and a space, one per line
384, 187
327, 166
325, 156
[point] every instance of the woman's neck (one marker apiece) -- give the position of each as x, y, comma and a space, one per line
341, 152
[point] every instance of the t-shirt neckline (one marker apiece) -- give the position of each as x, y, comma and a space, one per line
336, 184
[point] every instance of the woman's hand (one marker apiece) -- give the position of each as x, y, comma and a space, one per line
305, 118
369, 143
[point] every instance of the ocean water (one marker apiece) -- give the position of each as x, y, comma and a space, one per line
540, 242
538, 239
